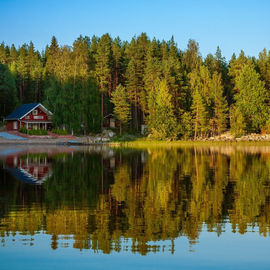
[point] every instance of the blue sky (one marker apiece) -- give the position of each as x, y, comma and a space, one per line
233, 25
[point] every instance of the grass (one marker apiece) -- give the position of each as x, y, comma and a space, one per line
146, 143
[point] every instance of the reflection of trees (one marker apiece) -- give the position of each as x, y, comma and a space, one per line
173, 194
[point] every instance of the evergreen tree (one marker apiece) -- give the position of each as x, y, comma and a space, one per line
220, 105
264, 67
52, 54
200, 115
103, 72
161, 119
237, 121
121, 105
3, 54
252, 99
191, 57
117, 62
8, 98
23, 72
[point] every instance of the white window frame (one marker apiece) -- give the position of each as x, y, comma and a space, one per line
15, 125
35, 112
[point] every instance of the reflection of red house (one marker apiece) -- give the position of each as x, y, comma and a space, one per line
34, 165
34, 169
30, 116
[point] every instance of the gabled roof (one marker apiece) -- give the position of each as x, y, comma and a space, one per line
109, 115
23, 110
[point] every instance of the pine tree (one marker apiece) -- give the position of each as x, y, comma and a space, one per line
52, 53
264, 67
3, 54
8, 98
152, 68
121, 105
117, 62
191, 57
23, 72
103, 71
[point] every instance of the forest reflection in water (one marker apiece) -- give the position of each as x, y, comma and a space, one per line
132, 200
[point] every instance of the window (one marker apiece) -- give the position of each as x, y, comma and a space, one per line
35, 112
27, 117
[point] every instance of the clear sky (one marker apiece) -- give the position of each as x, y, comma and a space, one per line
231, 24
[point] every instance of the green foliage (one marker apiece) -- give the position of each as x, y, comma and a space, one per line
59, 131
200, 115
76, 83
220, 109
252, 99
121, 105
38, 132
237, 121
23, 129
161, 119
186, 125
8, 98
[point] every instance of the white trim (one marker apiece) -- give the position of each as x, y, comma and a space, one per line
36, 122
43, 109
15, 125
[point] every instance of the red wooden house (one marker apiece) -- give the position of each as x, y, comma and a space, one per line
30, 116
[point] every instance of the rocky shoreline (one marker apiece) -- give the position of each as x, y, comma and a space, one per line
227, 137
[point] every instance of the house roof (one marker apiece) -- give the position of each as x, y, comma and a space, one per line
109, 115
26, 177
23, 110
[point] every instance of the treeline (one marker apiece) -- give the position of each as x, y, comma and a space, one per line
176, 93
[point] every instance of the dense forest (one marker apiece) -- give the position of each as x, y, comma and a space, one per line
176, 93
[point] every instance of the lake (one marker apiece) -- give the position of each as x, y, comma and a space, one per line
120, 208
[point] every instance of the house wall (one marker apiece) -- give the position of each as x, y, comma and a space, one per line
41, 116
10, 125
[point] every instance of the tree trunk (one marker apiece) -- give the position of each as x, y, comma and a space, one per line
101, 110
120, 128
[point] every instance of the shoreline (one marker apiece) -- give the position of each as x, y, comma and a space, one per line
136, 143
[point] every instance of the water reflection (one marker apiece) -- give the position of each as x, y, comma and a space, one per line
132, 200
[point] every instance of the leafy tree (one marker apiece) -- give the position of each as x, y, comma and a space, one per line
121, 105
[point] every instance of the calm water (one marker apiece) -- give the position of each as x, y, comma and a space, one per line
101, 208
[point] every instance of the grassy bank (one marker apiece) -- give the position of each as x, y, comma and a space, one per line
145, 143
